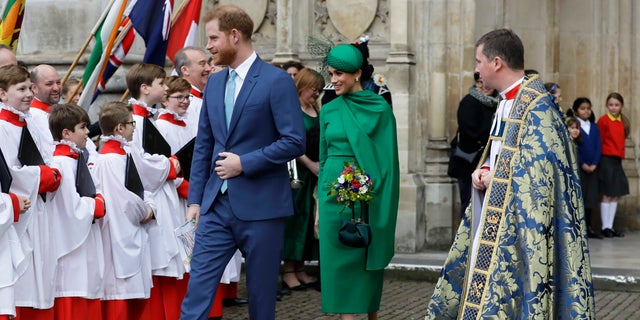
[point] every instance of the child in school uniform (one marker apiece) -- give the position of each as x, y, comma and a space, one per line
573, 126
127, 272
11, 256
78, 239
614, 129
158, 172
589, 152
34, 289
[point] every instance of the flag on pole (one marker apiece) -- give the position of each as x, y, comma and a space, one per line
124, 41
11, 23
152, 20
184, 29
95, 66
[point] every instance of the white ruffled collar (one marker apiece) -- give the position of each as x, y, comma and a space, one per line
118, 138
176, 116
71, 144
21, 115
151, 110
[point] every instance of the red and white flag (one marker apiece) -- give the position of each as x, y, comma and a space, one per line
184, 29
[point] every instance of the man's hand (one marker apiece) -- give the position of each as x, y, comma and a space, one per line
193, 212
485, 177
228, 167
480, 179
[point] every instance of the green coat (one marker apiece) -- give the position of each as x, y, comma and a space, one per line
358, 126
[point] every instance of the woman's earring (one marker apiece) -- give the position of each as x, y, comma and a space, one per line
357, 79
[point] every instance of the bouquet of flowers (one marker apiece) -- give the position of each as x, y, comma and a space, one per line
353, 184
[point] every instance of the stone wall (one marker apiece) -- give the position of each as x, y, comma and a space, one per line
426, 50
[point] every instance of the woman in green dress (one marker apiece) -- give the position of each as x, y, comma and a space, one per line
300, 243
357, 126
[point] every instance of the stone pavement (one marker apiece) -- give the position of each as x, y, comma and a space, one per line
409, 283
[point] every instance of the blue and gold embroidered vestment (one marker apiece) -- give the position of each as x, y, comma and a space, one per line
532, 259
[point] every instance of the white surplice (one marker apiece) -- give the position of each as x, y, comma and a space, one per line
12, 259
35, 287
77, 236
39, 123
154, 170
193, 113
127, 271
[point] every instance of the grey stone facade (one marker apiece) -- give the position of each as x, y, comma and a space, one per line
425, 48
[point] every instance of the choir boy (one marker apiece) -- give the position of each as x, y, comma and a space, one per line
74, 208
11, 257
158, 170
20, 144
127, 260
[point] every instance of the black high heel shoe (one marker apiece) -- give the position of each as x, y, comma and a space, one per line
312, 284
299, 287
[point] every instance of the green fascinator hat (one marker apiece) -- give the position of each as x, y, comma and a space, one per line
345, 57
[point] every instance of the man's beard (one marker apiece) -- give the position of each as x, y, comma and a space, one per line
225, 57
52, 101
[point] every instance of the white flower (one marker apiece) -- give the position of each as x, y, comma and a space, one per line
341, 179
364, 189
379, 80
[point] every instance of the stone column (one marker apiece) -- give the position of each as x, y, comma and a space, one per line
284, 35
448, 66
410, 229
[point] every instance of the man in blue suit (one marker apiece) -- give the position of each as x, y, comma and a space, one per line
250, 126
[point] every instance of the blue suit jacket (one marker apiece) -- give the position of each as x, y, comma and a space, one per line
266, 131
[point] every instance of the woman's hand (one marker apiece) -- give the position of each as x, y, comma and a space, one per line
313, 166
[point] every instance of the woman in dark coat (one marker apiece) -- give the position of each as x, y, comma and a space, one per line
475, 114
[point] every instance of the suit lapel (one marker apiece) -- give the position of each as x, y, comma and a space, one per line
216, 114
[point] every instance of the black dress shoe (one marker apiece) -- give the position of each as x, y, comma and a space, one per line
593, 234
294, 288
607, 233
234, 302
617, 233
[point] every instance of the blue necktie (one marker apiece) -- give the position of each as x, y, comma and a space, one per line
229, 96
229, 101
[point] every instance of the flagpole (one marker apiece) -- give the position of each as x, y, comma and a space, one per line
179, 11
126, 28
175, 17
112, 37
86, 43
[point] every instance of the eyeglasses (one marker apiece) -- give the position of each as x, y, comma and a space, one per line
133, 123
181, 98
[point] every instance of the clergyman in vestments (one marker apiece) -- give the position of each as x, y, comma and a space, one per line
521, 250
